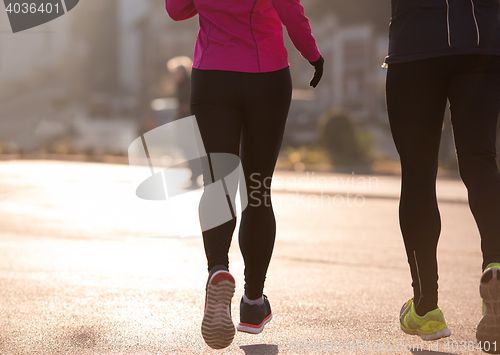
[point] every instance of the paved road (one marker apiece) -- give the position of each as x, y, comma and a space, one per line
88, 268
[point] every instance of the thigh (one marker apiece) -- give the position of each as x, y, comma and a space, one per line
474, 94
215, 104
416, 101
267, 101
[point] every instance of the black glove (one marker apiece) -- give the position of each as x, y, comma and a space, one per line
318, 73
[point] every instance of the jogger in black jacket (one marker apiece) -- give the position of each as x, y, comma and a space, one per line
443, 50
423, 29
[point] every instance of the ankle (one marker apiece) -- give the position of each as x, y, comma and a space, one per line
216, 268
258, 301
424, 306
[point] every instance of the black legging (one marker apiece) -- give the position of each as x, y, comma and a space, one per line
244, 114
416, 99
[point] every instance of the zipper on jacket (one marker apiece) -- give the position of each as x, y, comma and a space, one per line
448, 21
208, 43
475, 20
251, 30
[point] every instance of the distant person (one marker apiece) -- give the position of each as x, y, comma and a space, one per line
241, 94
439, 51
180, 67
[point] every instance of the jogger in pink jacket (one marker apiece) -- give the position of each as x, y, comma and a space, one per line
240, 94
246, 36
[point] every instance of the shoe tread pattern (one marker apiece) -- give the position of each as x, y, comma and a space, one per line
217, 327
488, 329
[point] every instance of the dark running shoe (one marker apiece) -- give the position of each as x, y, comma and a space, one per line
217, 326
253, 318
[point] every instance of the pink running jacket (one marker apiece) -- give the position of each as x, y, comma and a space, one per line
246, 35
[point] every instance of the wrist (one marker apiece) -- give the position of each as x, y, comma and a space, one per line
319, 61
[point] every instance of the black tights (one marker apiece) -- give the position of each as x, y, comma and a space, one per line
243, 114
416, 99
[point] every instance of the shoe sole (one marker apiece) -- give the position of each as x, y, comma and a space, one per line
217, 327
254, 329
434, 336
488, 329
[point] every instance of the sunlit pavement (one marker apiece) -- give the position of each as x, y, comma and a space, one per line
86, 267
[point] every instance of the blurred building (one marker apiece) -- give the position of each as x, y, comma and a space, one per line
32, 68
353, 78
29, 53
148, 38
109, 57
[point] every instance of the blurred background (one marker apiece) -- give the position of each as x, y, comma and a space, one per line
84, 86
88, 268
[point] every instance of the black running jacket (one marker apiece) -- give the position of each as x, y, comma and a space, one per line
423, 29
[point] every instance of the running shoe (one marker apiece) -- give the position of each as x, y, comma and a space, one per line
431, 326
253, 318
217, 326
488, 329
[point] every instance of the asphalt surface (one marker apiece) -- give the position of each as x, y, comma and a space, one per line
86, 267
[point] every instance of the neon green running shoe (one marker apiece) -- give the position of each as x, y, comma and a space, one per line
488, 329
431, 326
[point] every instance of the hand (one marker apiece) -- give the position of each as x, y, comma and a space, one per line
318, 73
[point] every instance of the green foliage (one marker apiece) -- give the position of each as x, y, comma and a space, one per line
308, 156
339, 136
498, 145
4, 147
